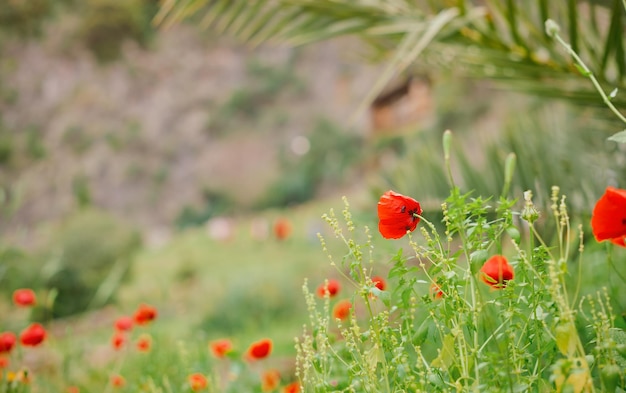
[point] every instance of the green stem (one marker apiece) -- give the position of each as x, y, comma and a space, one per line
587, 72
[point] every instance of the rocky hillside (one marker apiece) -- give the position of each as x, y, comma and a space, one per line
154, 132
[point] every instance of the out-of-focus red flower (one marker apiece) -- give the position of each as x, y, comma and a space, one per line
144, 314
118, 340
332, 288
379, 282
497, 272
220, 348
4, 362
33, 335
270, 380
282, 228
293, 387
342, 309
197, 382
397, 214
7, 341
435, 291
124, 324
144, 343
24, 297
118, 381
259, 349
72, 389
608, 219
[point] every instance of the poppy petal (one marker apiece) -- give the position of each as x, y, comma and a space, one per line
397, 214
608, 220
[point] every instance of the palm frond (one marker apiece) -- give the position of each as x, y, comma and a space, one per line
500, 39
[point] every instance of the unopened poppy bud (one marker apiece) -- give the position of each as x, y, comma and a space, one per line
509, 167
447, 142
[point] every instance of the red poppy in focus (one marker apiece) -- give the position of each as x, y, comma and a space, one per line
270, 380
145, 314
379, 282
282, 228
7, 341
608, 220
144, 343
497, 272
293, 387
197, 382
259, 349
33, 335
124, 324
397, 214
24, 297
332, 288
4, 362
435, 291
221, 347
118, 381
118, 340
342, 309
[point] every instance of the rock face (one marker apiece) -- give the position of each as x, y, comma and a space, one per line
145, 136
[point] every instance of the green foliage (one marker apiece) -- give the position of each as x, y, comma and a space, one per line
88, 247
215, 203
525, 336
108, 23
332, 152
18, 269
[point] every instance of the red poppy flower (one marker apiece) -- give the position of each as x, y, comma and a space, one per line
124, 324
293, 387
397, 214
497, 272
197, 382
332, 288
4, 362
145, 314
259, 349
608, 220
379, 282
24, 297
72, 389
282, 229
144, 343
118, 381
342, 309
270, 380
118, 340
33, 335
7, 341
435, 291
221, 347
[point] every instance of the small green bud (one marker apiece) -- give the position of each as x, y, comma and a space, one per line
552, 28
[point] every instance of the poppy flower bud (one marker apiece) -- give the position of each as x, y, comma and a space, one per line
497, 272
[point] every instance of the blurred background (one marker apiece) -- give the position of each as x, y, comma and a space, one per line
149, 150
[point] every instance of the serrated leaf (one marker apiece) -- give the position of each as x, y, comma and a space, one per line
620, 137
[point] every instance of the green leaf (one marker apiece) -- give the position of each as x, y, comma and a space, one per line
620, 137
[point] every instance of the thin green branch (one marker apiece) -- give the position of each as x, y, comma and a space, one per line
553, 30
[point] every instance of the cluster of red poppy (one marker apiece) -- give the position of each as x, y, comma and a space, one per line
258, 350
123, 325
33, 335
399, 214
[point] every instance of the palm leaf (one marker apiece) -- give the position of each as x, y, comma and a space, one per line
499, 40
